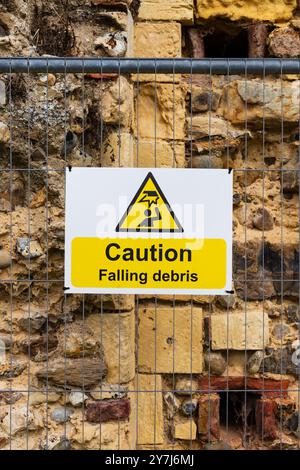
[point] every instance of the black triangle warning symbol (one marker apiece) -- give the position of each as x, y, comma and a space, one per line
149, 211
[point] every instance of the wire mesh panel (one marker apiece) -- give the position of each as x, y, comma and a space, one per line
149, 371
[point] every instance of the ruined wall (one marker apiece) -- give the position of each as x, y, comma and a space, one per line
83, 358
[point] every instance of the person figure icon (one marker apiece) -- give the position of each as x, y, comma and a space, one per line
149, 218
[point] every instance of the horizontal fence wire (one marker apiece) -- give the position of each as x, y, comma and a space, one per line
159, 66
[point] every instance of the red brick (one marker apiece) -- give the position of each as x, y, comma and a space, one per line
108, 410
114, 3
209, 417
104, 76
267, 387
265, 417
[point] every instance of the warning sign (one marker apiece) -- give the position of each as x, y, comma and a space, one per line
148, 231
149, 211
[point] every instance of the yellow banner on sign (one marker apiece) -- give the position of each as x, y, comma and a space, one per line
148, 263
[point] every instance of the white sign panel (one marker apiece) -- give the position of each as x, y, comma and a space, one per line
148, 230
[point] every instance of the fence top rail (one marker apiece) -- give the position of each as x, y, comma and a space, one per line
229, 66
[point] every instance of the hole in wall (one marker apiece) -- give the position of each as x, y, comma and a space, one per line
221, 44
52, 31
4, 31
237, 411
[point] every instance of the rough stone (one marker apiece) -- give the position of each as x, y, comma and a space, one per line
215, 363
62, 444
108, 410
117, 333
4, 133
33, 322
61, 414
155, 40
118, 150
111, 435
215, 128
246, 330
226, 301
168, 10
36, 397
114, 44
77, 398
284, 42
283, 360
186, 386
254, 362
76, 372
5, 259
112, 302
172, 404
165, 340
6, 340
80, 343
206, 161
159, 153
10, 369
48, 79
109, 391
209, 417
290, 182
2, 93
263, 220
271, 101
116, 103
292, 314
19, 419
150, 410
253, 10
189, 406
9, 398
161, 112
293, 423
217, 445
280, 331
28, 248
185, 430
205, 101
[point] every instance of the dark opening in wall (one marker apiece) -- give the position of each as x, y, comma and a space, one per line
237, 411
221, 44
52, 30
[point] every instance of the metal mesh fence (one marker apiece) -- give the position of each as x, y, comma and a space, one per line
61, 355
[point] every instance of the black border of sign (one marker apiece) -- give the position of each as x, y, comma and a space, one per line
177, 230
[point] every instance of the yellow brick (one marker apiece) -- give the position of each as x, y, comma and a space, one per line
118, 150
168, 10
186, 430
157, 40
246, 330
150, 410
148, 154
117, 335
160, 111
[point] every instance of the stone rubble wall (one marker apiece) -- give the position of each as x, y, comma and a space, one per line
125, 372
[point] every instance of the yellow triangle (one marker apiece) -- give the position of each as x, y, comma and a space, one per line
149, 211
